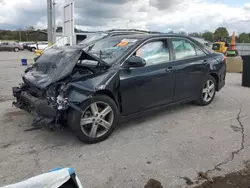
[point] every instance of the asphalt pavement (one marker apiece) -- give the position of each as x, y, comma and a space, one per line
173, 146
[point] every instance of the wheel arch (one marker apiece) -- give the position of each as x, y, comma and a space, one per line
111, 95
16, 48
216, 77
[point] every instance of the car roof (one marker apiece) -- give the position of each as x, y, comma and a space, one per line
148, 36
128, 31
144, 37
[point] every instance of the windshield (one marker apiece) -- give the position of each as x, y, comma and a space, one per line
216, 47
111, 49
93, 38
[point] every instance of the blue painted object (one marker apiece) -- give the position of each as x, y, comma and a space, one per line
70, 170
55, 169
24, 62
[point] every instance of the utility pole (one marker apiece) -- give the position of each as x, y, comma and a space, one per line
20, 36
50, 22
54, 21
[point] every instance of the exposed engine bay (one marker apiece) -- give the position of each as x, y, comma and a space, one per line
54, 82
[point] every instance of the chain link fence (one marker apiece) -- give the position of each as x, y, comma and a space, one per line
243, 48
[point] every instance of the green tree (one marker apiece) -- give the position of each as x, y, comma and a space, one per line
208, 36
244, 38
182, 33
195, 34
31, 28
221, 32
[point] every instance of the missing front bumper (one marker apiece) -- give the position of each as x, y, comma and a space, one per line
31, 104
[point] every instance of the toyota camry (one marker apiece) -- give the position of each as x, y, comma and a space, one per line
90, 90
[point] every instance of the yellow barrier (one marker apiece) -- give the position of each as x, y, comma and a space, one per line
38, 52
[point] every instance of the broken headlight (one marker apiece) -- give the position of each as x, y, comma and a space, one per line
62, 99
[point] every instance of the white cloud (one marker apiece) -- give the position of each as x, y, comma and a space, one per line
247, 6
190, 15
200, 16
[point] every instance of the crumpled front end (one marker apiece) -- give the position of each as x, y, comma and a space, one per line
41, 93
39, 102
48, 93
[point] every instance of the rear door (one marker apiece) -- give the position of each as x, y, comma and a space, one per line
146, 87
191, 68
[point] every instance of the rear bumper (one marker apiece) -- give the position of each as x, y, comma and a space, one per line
31, 104
222, 77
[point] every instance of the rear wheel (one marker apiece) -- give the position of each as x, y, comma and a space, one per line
16, 49
207, 92
97, 121
32, 49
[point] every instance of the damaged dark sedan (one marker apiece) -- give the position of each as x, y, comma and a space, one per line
117, 77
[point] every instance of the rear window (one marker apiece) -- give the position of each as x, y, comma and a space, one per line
91, 39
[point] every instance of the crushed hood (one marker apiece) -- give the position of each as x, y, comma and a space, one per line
53, 65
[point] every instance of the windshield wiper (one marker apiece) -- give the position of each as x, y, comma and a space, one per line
89, 48
97, 58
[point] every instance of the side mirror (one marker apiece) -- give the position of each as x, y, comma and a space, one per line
135, 61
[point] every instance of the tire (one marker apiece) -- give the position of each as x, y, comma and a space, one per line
210, 93
91, 120
32, 49
16, 49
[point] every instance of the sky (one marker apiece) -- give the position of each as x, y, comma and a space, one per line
156, 15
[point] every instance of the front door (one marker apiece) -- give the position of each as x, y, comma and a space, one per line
146, 87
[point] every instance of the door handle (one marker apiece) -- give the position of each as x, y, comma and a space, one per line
169, 69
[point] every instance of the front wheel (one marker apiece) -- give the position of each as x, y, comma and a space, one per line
207, 92
97, 122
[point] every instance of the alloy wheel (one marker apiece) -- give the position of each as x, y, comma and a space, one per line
208, 91
97, 119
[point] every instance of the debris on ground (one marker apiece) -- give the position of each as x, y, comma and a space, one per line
152, 183
203, 175
240, 179
188, 180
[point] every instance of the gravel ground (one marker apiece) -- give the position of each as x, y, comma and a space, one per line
177, 146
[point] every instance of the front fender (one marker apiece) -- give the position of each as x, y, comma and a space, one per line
77, 97
82, 90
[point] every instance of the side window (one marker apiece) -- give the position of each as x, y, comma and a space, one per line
183, 49
154, 53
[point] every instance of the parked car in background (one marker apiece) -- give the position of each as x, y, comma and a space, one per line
38, 46
26, 45
92, 38
118, 77
111, 33
10, 46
